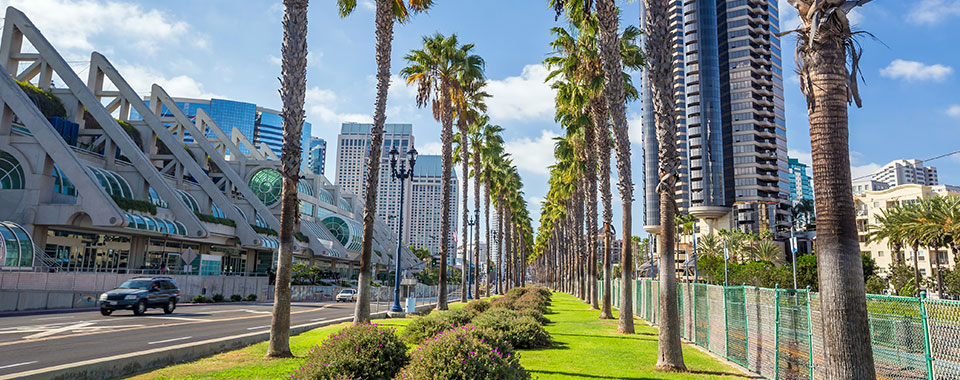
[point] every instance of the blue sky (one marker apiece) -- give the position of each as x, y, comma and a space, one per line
231, 49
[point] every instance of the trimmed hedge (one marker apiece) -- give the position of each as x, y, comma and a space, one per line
518, 330
431, 324
365, 351
134, 205
460, 355
477, 307
215, 220
264, 230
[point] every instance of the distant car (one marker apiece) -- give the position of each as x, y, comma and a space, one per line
347, 295
139, 294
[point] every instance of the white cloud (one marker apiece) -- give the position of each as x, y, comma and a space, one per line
954, 111
322, 104
855, 17
524, 97
933, 11
71, 25
802, 156
635, 130
533, 155
789, 19
535, 201
862, 171
430, 148
369, 5
916, 71
142, 78
314, 59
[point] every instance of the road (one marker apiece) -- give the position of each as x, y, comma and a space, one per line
41, 341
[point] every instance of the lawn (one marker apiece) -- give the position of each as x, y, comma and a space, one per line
585, 348
591, 348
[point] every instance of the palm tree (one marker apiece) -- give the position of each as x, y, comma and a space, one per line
710, 245
437, 69
823, 43
767, 250
388, 12
292, 91
469, 102
491, 156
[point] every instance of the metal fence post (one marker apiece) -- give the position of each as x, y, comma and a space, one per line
726, 326
776, 334
926, 334
708, 317
693, 319
809, 333
746, 324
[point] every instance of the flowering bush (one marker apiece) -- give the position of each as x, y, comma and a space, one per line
477, 307
505, 302
460, 355
429, 325
357, 352
531, 300
535, 314
518, 330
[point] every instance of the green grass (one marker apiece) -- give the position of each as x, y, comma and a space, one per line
587, 347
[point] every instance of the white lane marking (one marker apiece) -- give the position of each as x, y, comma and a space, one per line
49, 318
259, 327
317, 319
236, 310
179, 318
16, 365
170, 340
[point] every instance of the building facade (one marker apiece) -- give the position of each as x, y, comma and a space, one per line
800, 182
871, 204
731, 132
902, 172
317, 155
860, 187
95, 187
425, 213
353, 151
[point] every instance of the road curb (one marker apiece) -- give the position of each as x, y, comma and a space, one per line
137, 362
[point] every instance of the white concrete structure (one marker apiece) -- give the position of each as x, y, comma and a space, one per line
902, 172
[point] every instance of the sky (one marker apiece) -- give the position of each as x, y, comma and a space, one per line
231, 49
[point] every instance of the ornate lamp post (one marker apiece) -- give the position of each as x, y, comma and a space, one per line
466, 254
402, 174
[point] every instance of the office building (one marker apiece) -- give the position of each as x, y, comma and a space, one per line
902, 172
860, 187
425, 214
731, 133
353, 150
871, 204
260, 125
317, 155
800, 182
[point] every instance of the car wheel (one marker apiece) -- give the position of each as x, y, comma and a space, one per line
169, 307
140, 308
106, 311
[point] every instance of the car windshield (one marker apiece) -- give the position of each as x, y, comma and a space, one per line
135, 284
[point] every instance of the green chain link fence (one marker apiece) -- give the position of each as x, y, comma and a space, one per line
777, 333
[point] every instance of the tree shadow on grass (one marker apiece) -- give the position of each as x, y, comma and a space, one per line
637, 336
595, 376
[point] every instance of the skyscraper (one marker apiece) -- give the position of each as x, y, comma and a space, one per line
800, 188
731, 130
902, 172
353, 148
426, 196
317, 155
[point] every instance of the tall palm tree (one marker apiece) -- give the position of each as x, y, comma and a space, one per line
491, 156
823, 43
292, 91
469, 102
437, 69
388, 12
478, 134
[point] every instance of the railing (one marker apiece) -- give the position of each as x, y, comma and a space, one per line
778, 333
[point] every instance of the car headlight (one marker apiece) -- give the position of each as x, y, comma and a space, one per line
130, 297
103, 297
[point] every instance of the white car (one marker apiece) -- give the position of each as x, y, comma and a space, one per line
347, 295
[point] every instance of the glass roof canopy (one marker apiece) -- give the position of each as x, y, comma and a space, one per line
15, 245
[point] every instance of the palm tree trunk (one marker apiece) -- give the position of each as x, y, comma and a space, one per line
465, 186
292, 93
476, 228
446, 137
669, 353
916, 269
384, 21
607, 15
589, 141
486, 218
847, 335
602, 135
500, 245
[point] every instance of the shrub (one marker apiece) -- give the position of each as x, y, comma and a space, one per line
236, 298
518, 330
49, 104
535, 315
218, 297
460, 355
365, 351
429, 325
505, 302
251, 297
199, 298
531, 300
477, 307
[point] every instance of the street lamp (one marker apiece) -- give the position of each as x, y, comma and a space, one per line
402, 174
466, 255
476, 253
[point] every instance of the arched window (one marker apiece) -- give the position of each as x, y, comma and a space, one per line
62, 184
112, 182
345, 205
216, 211
15, 245
11, 173
325, 196
156, 200
189, 200
266, 185
304, 187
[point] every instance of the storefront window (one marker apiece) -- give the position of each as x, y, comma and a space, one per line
84, 252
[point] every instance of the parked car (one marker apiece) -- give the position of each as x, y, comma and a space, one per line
347, 295
139, 294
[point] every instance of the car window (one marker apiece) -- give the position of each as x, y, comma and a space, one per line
171, 284
135, 284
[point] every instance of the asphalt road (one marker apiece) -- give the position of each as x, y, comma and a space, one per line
39, 341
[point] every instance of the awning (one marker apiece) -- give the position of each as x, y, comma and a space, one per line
155, 224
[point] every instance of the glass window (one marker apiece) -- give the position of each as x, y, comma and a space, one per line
266, 185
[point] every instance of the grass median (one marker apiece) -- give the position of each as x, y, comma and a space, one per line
585, 348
